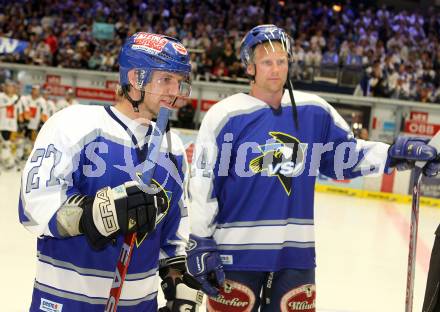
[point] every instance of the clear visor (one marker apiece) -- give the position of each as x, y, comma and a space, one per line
163, 83
173, 88
168, 84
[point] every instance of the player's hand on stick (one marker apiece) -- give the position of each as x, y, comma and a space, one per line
407, 150
182, 294
124, 209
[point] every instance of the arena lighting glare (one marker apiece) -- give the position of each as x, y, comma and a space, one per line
337, 7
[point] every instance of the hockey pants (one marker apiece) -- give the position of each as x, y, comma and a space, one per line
285, 290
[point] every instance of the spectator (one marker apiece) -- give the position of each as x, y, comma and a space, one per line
204, 66
377, 81
107, 61
312, 60
185, 116
318, 40
220, 70
331, 57
363, 134
360, 34
350, 57
51, 41
189, 41
95, 60
298, 59
229, 55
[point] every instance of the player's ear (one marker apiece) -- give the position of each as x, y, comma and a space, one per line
250, 69
132, 77
136, 77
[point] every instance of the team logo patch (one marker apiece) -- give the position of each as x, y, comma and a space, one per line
180, 48
234, 297
150, 42
191, 245
162, 192
299, 299
50, 306
283, 157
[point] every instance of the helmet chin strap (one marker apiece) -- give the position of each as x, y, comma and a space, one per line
289, 87
134, 103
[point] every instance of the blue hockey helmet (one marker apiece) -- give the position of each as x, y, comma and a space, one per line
268, 33
261, 34
146, 52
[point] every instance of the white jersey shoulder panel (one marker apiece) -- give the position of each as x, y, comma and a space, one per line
310, 99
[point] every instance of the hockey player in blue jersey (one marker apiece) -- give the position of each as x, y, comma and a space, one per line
80, 193
252, 183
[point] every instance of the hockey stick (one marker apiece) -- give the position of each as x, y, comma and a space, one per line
435, 142
129, 239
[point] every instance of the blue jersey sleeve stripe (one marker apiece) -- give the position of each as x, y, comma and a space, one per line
21, 215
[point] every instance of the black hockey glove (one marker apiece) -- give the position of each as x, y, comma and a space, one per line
22, 126
183, 292
123, 209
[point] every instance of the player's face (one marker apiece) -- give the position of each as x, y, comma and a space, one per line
271, 64
35, 93
166, 89
9, 89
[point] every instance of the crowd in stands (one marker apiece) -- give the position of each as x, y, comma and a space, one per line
398, 50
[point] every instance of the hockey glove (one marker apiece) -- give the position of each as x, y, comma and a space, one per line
125, 209
407, 150
180, 289
204, 264
182, 294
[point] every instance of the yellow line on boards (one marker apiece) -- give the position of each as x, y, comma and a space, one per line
398, 198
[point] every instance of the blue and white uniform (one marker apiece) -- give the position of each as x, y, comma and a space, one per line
80, 150
253, 177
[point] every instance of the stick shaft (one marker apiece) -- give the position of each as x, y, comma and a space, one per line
129, 239
413, 240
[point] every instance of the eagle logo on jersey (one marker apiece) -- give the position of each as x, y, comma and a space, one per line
162, 192
284, 158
